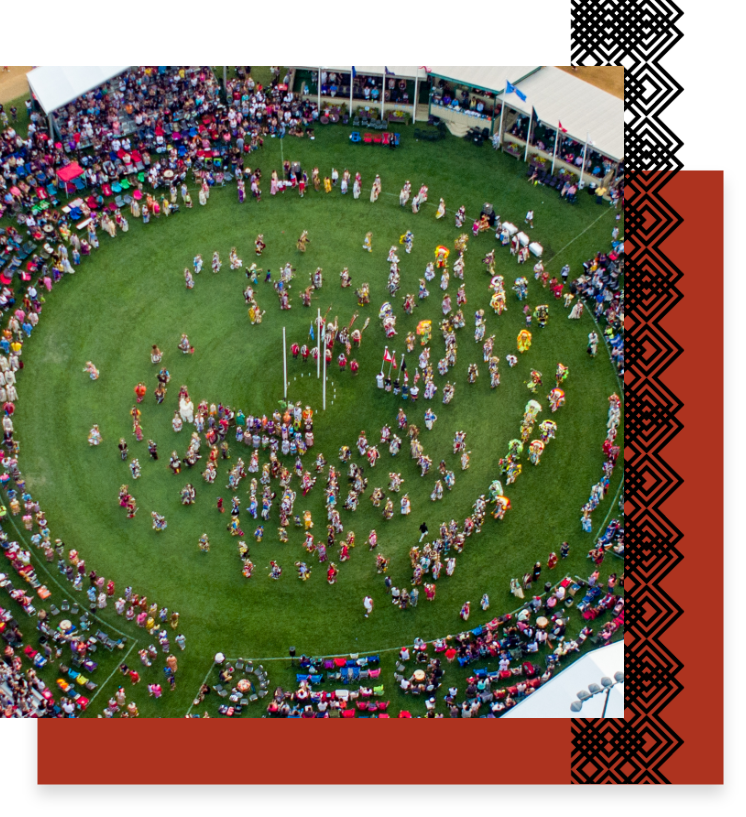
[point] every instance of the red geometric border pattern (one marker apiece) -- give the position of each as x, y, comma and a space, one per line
634, 750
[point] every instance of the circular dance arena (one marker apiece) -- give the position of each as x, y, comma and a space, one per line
130, 294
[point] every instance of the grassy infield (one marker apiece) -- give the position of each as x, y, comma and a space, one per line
132, 295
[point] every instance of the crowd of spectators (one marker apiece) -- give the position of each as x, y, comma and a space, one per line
601, 287
569, 150
174, 120
508, 649
149, 120
272, 111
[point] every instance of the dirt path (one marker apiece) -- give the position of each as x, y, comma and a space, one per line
610, 79
13, 82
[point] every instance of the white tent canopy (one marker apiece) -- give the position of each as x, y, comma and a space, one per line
401, 71
55, 86
553, 699
489, 78
584, 110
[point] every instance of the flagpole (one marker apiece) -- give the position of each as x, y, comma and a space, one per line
284, 364
582, 167
554, 155
318, 345
393, 358
324, 382
385, 352
319, 91
528, 135
502, 112
383, 90
352, 78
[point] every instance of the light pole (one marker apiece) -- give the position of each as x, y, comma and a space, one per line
607, 684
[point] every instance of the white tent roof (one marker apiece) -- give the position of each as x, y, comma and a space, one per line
490, 78
55, 85
402, 71
583, 109
553, 699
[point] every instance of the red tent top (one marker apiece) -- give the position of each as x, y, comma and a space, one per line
70, 172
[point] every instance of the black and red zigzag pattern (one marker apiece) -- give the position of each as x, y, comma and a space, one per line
636, 35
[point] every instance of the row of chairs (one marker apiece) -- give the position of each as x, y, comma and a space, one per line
366, 122
386, 139
428, 135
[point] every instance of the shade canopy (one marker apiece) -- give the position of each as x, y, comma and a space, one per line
69, 172
401, 71
584, 110
553, 699
55, 86
486, 77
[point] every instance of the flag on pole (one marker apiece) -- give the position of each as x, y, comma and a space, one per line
387, 356
511, 89
387, 72
393, 359
559, 124
354, 72
311, 334
591, 142
404, 369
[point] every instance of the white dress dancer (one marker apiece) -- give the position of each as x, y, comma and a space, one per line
186, 410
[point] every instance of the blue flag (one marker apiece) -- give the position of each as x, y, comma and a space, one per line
313, 337
354, 72
387, 72
511, 89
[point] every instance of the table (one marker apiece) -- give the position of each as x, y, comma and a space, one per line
65, 625
168, 174
542, 622
419, 675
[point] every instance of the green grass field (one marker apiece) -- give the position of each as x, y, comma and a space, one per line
131, 294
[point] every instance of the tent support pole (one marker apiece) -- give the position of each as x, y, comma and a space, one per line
582, 167
502, 112
554, 155
383, 91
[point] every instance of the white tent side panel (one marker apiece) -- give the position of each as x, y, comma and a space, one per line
56, 85
553, 699
491, 78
